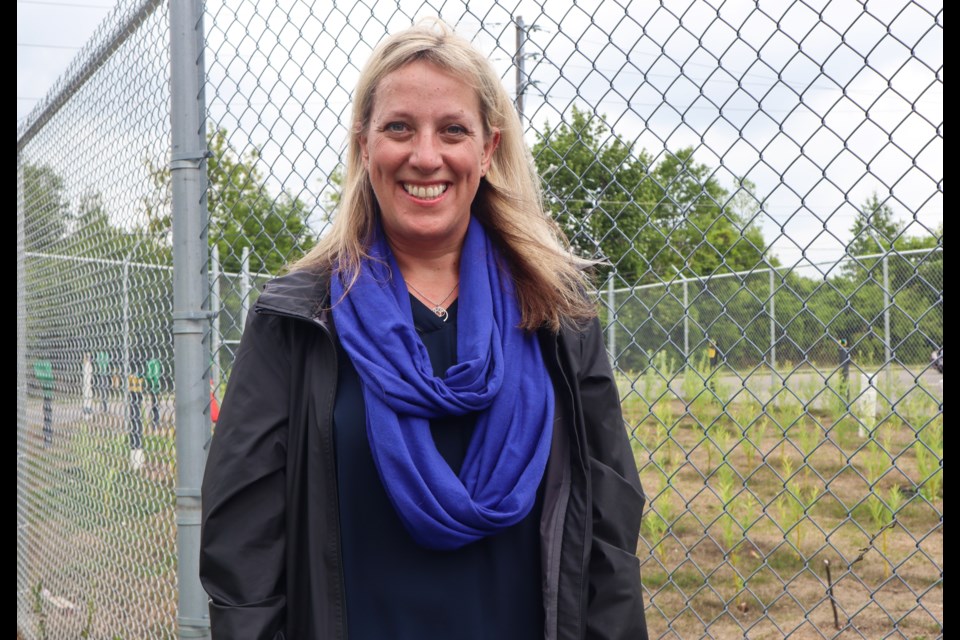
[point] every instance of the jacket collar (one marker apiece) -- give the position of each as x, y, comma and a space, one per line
301, 294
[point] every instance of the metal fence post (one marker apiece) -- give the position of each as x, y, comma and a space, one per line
773, 325
686, 320
190, 288
215, 337
245, 285
21, 375
887, 350
611, 322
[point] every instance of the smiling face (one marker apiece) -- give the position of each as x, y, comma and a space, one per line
425, 149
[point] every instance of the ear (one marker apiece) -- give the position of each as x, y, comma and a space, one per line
489, 146
364, 155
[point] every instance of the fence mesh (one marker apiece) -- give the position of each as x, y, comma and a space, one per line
95, 455
763, 182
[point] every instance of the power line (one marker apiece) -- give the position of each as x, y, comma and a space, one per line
45, 46
66, 4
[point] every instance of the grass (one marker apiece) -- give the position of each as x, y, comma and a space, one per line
751, 490
112, 531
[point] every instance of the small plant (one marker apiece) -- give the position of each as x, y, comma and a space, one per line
663, 412
789, 508
928, 451
746, 517
837, 398
38, 610
694, 375
88, 626
657, 375
726, 484
894, 500
875, 464
788, 410
715, 440
755, 435
652, 384
809, 437
655, 527
808, 388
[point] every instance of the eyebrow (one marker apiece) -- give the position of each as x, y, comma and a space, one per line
407, 115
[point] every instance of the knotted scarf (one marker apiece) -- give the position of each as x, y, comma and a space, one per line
499, 373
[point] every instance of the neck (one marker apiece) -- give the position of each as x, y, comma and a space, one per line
434, 272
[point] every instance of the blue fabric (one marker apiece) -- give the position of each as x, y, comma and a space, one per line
499, 373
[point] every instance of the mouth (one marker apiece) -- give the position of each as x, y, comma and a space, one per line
425, 192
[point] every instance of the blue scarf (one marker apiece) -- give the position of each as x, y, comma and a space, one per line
500, 374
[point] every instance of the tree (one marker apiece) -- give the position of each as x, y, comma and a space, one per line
875, 230
646, 220
46, 208
650, 220
243, 213
914, 286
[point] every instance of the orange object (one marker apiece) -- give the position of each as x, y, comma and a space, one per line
214, 405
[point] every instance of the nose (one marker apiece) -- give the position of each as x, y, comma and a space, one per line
426, 155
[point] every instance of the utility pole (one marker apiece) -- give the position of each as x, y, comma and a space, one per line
521, 79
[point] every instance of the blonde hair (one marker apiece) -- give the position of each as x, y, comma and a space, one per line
549, 280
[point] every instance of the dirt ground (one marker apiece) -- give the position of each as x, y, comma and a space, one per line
746, 504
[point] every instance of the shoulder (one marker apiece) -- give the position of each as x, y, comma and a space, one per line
300, 293
580, 342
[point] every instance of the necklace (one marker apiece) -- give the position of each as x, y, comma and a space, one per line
437, 306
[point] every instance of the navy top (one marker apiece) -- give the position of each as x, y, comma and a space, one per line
398, 589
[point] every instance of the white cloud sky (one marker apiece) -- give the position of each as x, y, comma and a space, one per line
819, 114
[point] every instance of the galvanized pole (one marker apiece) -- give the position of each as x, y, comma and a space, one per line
22, 589
521, 76
191, 322
245, 285
127, 369
773, 325
611, 322
215, 338
686, 320
887, 349
125, 382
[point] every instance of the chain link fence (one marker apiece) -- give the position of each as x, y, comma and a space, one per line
763, 182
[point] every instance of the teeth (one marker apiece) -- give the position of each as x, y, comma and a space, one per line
425, 193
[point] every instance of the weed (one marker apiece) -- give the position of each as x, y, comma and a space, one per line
928, 451
725, 488
39, 611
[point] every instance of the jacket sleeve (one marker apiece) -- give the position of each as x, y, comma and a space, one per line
242, 547
615, 597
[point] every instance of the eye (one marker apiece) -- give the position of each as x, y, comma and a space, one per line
456, 130
395, 127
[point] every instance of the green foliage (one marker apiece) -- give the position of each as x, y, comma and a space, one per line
646, 218
726, 487
46, 208
243, 214
928, 451
38, 609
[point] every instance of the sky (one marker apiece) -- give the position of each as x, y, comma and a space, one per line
818, 103
49, 34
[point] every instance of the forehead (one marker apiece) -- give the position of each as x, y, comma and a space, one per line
424, 88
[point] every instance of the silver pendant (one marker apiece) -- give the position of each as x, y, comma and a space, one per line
441, 313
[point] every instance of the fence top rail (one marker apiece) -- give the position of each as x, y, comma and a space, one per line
85, 65
678, 279
144, 265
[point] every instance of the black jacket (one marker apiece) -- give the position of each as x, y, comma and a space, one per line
270, 547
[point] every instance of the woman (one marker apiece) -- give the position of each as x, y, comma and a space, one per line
421, 437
